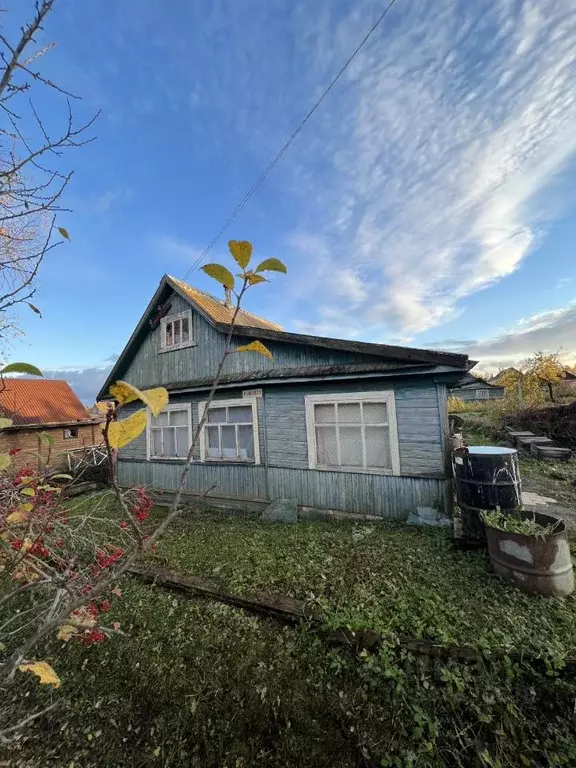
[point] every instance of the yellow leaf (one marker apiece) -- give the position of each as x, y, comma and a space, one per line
241, 251
28, 492
271, 265
220, 273
66, 631
254, 279
64, 232
43, 670
256, 346
155, 399
19, 515
5, 423
120, 433
5, 461
104, 406
124, 392
27, 506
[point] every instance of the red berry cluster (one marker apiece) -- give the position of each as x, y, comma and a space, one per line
107, 558
142, 506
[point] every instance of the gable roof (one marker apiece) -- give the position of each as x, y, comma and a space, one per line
218, 312
37, 402
470, 381
253, 326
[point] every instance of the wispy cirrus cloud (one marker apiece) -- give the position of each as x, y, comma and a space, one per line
435, 156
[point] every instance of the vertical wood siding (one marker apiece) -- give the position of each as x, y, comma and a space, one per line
381, 495
283, 448
150, 367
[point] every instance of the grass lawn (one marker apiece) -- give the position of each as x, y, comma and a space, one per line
195, 683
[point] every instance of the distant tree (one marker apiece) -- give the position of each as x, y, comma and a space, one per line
32, 180
546, 369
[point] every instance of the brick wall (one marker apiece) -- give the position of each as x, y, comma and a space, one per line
31, 445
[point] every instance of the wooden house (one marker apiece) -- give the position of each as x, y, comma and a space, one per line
336, 424
44, 405
475, 389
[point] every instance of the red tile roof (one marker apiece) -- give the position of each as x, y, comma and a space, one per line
40, 401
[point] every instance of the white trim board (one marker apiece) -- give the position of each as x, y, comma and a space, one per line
383, 396
171, 407
239, 401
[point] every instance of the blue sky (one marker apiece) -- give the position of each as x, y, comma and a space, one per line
430, 201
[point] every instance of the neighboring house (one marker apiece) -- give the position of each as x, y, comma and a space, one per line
475, 389
335, 424
44, 405
569, 380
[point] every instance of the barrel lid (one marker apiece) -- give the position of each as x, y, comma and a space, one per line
490, 449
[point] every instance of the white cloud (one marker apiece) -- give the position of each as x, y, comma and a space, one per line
549, 332
435, 154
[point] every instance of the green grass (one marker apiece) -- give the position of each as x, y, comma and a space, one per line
195, 683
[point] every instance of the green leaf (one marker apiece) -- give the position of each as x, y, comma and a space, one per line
5, 423
221, 274
34, 308
5, 461
21, 368
271, 265
47, 438
256, 346
64, 232
241, 251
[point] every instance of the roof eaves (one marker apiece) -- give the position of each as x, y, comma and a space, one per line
363, 347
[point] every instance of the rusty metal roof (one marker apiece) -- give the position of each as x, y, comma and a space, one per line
40, 401
219, 313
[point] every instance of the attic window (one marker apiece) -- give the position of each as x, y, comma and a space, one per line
175, 331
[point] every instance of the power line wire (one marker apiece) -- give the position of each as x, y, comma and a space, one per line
274, 162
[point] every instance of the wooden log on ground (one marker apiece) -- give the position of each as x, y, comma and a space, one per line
524, 443
280, 607
288, 610
545, 452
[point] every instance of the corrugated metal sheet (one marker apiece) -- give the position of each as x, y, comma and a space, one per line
40, 401
216, 310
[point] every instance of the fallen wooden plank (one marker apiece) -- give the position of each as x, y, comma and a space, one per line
291, 611
525, 443
279, 606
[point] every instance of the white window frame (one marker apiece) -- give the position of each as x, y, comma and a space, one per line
240, 401
384, 396
170, 319
483, 394
171, 407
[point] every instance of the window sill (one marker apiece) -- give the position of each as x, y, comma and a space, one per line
242, 462
176, 348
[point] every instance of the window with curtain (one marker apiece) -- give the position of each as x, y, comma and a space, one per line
230, 432
353, 432
169, 433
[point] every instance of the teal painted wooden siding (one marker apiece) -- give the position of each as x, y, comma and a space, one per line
151, 367
417, 414
380, 495
283, 448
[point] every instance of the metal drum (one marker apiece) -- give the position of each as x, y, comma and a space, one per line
540, 566
486, 477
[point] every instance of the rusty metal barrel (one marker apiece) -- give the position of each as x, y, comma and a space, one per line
537, 565
486, 477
